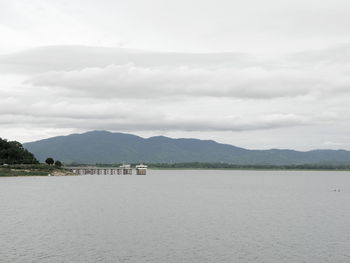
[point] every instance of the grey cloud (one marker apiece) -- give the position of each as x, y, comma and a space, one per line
336, 54
300, 98
208, 93
125, 114
105, 72
156, 121
67, 58
140, 82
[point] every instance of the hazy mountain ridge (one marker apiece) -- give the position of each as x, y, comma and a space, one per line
107, 147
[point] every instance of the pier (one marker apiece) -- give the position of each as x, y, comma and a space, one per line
124, 169
141, 169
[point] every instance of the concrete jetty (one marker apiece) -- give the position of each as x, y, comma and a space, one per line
124, 169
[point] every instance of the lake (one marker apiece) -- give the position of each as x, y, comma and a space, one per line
177, 216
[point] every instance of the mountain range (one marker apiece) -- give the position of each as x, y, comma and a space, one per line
107, 147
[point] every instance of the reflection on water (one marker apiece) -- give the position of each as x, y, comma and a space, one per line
177, 216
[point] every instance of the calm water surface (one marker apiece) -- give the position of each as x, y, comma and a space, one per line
177, 216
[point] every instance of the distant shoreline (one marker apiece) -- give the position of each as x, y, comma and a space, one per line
250, 169
46, 170
225, 166
16, 170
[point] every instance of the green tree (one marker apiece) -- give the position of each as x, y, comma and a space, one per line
49, 161
13, 152
58, 163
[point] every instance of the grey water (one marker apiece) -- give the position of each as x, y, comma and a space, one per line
177, 216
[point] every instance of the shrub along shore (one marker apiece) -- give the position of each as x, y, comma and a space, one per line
33, 170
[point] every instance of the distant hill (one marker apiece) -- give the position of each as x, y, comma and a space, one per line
106, 147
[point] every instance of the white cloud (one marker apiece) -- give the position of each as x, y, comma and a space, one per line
185, 94
150, 74
141, 82
253, 73
201, 25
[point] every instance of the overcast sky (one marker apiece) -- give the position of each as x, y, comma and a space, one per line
255, 74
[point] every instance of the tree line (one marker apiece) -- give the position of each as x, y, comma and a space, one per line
214, 165
206, 165
51, 161
13, 152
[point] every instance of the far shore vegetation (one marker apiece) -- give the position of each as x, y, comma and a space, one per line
226, 166
13, 152
17, 161
29, 170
